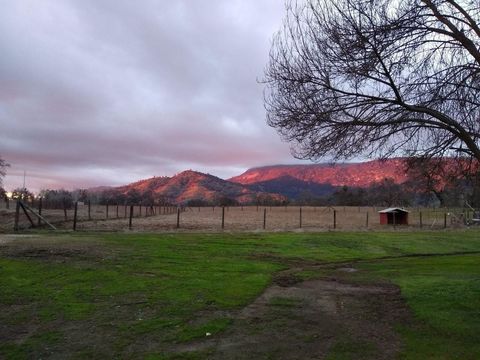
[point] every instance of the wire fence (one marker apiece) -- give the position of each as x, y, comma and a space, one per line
86, 217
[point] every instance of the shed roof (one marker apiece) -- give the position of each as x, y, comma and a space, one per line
393, 210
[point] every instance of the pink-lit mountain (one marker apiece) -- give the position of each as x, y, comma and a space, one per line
349, 174
277, 182
193, 185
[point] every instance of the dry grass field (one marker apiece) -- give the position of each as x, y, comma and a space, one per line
239, 218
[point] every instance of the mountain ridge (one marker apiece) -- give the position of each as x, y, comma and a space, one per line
275, 182
190, 185
359, 174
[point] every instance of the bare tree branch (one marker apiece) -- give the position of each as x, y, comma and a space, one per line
383, 77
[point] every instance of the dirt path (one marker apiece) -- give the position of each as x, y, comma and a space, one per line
314, 319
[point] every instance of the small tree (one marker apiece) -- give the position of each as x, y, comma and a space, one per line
133, 197
346, 196
3, 193
197, 203
3, 172
80, 195
112, 196
147, 197
388, 193
22, 194
57, 199
223, 200
444, 178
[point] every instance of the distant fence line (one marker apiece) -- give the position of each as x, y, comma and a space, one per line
117, 217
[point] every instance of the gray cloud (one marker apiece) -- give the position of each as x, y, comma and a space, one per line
106, 92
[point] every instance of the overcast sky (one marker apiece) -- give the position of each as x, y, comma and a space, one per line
106, 92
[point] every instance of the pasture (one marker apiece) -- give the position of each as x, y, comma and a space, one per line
234, 218
331, 295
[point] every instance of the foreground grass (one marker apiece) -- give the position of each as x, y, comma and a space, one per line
444, 294
143, 296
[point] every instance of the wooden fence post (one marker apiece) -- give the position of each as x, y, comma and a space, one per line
75, 216
223, 217
65, 209
366, 221
264, 218
17, 216
106, 211
394, 220
40, 204
445, 220
421, 222
178, 218
300, 216
334, 219
117, 211
89, 210
24, 208
130, 219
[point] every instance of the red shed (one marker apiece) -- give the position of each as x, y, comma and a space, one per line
393, 216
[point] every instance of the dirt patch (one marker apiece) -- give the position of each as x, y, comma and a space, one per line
7, 238
51, 250
311, 319
286, 280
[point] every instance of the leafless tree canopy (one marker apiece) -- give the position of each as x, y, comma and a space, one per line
377, 77
3, 166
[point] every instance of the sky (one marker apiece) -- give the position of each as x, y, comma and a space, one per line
107, 92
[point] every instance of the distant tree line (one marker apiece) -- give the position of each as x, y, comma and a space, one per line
388, 193
418, 191
222, 200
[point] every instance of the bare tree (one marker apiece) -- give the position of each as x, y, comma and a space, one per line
377, 77
3, 172
22, 194
442, 177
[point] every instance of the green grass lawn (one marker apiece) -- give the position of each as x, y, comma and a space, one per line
444, 294
144, 295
